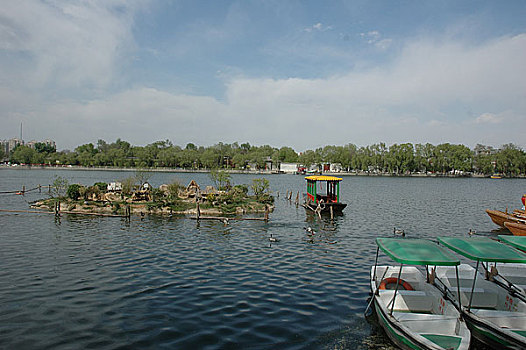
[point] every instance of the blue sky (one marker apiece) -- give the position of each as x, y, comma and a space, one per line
298, 73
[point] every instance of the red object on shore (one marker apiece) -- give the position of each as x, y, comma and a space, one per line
524, 199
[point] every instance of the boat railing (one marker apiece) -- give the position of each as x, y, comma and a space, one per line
509, 286
446, 292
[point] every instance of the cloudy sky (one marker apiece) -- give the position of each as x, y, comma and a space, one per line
285, 73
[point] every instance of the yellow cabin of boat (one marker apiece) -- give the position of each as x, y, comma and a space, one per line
323, 178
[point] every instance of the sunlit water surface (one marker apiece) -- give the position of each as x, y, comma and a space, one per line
170, 282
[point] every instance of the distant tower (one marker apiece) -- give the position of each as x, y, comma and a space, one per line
21, 131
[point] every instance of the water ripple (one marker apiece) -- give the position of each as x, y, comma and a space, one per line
105, 283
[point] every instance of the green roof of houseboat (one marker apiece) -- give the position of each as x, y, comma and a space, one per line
518, 242
483, 249
416, 252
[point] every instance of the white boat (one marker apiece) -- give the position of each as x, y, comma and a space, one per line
494, 315
510, 275
414, 314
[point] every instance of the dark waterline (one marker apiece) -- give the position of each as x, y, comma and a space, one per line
161, 282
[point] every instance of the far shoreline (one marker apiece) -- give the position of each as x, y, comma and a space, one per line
246, 172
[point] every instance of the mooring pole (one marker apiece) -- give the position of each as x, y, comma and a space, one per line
297, 198
266, 212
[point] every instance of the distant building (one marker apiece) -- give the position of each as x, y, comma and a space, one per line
14, 143
4, 147
288, 168
50, 143
335, 167
9, 145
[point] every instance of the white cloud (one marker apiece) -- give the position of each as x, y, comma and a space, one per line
374, 37
430, 92
63, 43
318, 27
488, 118
383, 44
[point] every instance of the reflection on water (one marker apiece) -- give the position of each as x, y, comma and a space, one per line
77, 281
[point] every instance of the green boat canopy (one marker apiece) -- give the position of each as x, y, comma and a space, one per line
416, 252
483, 249
518, 242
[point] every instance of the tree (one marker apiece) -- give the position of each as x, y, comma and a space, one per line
42, 147
348, 155
510, 160
190, 147
211, 158
173, 189
60, 186
73, 191
287, 155
309, 158
23, 155
260, 186
220, 178
142, 177
127, 185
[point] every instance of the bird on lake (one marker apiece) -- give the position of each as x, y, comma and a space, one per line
472, 232
273, 239
398, 232
310, 231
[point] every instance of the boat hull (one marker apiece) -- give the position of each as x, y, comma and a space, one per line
492, 336
496, 317
499, 217
397, 335
516, 228
337, 208
417, 322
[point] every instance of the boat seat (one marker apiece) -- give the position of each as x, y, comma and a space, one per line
425, 323
504, 319
401, 292
404, 316
482, 299
409, 301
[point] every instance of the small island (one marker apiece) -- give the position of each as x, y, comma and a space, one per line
135, 196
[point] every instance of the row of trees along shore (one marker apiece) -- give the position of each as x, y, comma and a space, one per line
405, 158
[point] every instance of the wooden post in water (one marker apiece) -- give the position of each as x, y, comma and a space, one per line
23, 190
266, 212
297, 199
277, 194
332, 213
198, 210
39, 188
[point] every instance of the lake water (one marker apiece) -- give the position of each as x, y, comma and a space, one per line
167, 282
